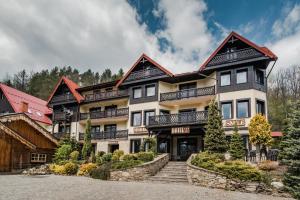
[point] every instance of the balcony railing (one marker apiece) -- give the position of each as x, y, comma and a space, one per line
146, 73
118, 134
105, 114
106, 95
183, 94
59, 135
62, 98
189, 118
241, 54
59, 116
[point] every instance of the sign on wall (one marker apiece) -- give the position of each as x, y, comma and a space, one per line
180, 130
239, 122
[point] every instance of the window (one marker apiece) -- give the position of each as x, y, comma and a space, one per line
243, 109
63, 128
260, 107
40, 158
150, 90
137, 93
259, 77
135, 145
136, 119
225, 79
241, 76
148, 114
95, 129
226, 110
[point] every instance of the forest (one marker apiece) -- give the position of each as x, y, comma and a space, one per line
283, 86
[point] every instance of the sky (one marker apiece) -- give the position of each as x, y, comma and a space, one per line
178, 34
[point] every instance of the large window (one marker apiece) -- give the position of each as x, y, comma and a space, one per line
38, 158
259, 77
225, 79
135, 145
137, 93
226, 110
241, 76
136, 119
150, 90
243, 109
95, 129
260, 107
148, 114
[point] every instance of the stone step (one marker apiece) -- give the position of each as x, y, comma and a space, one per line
168, 180
172, 173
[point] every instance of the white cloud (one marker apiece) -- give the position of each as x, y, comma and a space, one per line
286, 44
98, 34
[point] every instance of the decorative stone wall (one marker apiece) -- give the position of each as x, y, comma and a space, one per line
206, 178
141, 172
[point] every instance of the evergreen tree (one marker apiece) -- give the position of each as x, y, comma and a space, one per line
106, 76
87, 146
260, 132
290, 152
215, 140
236, 147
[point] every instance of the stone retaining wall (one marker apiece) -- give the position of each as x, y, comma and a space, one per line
212, 179
140, 172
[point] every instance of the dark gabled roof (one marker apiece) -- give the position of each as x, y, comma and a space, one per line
137, 62
71, 85
98, 86
37, 108
263, 50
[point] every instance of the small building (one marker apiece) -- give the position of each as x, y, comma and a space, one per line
23, 143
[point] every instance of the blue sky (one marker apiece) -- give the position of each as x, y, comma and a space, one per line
178, 34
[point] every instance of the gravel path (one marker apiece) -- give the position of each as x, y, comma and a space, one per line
67, 187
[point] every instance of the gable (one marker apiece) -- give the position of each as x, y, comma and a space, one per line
144, 69
5, 106
236, 48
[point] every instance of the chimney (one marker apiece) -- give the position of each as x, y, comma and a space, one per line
24, 107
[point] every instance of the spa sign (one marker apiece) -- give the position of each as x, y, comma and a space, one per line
239, 122
180, 130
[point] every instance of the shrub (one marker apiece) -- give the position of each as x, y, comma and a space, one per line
99, 160
207, 160
85, 169
240, 170
62, 153
117, 155
129, 157
149, 144
74, 156
100, 153
102, 172
92, 157
57, 169
268, 165
126, 164
70, 168
107, 157
145, 156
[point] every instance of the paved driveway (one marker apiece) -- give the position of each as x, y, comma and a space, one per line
67, 187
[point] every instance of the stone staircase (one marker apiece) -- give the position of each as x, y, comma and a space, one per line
173, 172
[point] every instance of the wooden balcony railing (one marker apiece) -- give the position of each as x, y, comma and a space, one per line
189, 118
183, 94
241, 54
105, 114
106, 95
62, 98
59, 116
118, 134
141, 74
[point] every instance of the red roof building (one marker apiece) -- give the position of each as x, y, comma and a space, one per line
15, 101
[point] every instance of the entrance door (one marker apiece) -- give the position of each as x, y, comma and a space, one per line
110, 131
163, 145
111, 111
186, 147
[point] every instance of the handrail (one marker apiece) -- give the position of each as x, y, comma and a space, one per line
105, 114
117, 134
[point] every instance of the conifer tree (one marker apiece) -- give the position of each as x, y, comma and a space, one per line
87, 146
215, 140
236, 148
290, 152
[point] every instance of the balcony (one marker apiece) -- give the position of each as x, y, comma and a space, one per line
59, 116
238, 55
104, 135
189, 96
103, 116
180, 119
59, 135
106, 95
142, 74
62, 98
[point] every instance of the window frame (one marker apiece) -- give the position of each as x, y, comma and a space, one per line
263, 77
241, 71
133, 92
225, 73
249, 107
150, 86
145, 117
231, 110
38, 158
132, 142
264, 106
132, 118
